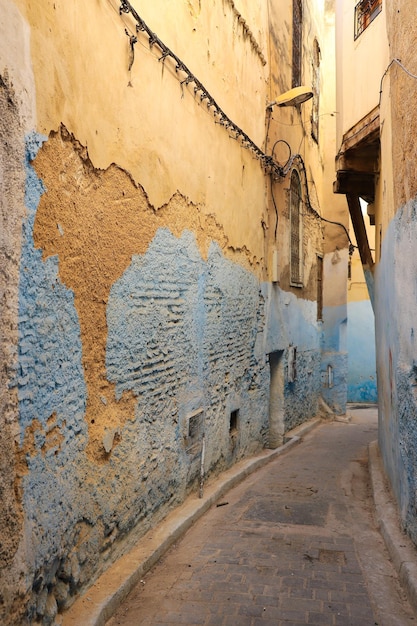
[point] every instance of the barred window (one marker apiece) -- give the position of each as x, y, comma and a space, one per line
365, 12
295, 230
297, 24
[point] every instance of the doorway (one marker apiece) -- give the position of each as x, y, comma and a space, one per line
276, 399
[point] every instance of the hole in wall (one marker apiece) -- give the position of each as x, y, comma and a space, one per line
234, 422
194, 430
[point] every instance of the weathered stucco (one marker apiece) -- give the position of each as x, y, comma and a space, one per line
82, 226
16, 116
147, 109
138, 315
11, 211
395, 218
398, 89
396, 360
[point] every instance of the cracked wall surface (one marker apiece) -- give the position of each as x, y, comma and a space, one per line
396, 361
81, 219
395, 220
137, 315
117, 346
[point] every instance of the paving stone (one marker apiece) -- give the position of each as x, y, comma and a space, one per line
255, 563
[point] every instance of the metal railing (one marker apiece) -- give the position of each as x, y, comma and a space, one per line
365, 12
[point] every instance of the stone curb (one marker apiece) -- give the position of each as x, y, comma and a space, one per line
400, 548
96, 606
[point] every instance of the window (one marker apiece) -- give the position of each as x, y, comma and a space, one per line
316, 91
365, 12
297, 23
295, 230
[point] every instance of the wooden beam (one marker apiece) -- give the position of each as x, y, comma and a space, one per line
356, 183
361, 235
366, 130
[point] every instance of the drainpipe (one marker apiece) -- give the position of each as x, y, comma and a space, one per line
361, 235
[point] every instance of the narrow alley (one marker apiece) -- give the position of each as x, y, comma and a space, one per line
208, 283
295, 543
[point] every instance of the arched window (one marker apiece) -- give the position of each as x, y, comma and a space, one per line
296, 240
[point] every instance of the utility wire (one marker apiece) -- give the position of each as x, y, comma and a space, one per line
199, 89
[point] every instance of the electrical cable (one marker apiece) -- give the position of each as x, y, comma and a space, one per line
199, 90
398, 62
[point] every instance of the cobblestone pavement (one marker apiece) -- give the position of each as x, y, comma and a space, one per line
295, 543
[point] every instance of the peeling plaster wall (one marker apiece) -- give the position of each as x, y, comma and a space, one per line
137, 299
293, 322
16, 117
397, 359
118, 347
150, 117
395, 286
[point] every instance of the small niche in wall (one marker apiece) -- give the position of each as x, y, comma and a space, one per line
194, 431
234, 422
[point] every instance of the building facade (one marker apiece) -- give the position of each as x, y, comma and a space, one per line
375, 161
361, 378
164, 266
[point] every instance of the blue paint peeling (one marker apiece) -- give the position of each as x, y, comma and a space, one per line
50, 377
185, 329
51, 389
183, 334
396, 297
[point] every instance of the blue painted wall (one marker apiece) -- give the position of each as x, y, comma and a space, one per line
396, 297
184, 334
292, 321
334, 354
361, 380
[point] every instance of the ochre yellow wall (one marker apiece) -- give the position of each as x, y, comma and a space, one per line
80, 57
140, 249
360, 66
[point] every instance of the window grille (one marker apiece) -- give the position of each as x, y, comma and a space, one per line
295, 230
297, 24
365, 12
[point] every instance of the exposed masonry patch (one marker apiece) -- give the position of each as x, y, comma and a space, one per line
83, 212
179, 335
12, 178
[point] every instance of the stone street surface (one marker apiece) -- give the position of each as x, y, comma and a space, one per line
295, 543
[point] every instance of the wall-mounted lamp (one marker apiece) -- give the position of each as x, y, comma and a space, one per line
293, 97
